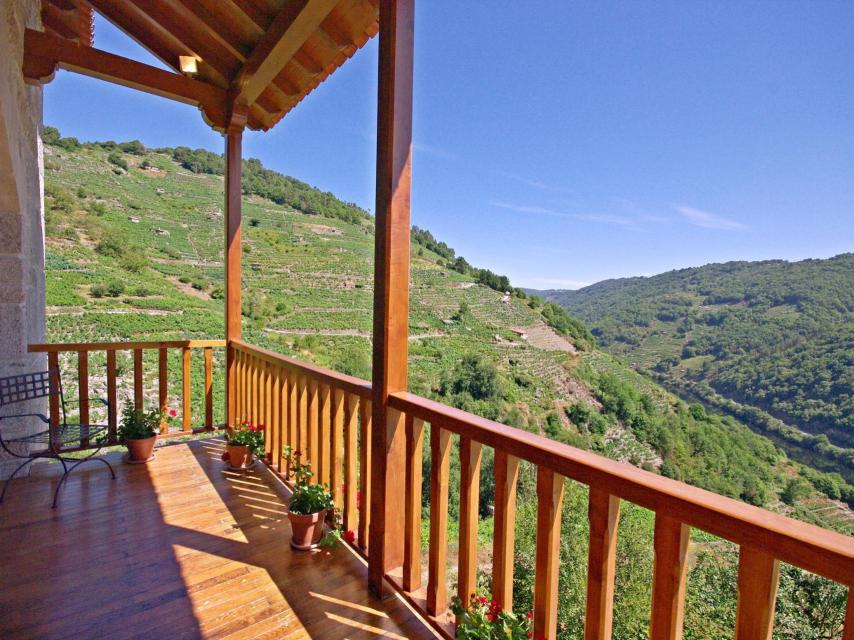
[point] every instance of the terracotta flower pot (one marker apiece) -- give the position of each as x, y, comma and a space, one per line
239, 456
141, 449
306, 530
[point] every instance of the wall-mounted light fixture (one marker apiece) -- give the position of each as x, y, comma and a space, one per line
188, 64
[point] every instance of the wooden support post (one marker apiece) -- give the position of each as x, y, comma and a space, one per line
670, 573
603, 512
549, 507
758, 577
506, 470
391, 285
233, 194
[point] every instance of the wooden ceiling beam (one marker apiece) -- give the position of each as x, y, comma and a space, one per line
43, 53
142, 29
189, 33
286, 34
218, 29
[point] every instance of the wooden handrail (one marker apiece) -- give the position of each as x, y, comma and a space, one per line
818, 550
357, 386
122, 346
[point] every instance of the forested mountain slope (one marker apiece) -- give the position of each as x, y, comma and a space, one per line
134, 251
774, 335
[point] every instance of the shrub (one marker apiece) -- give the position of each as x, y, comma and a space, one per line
98, 291
118, 160
115, 289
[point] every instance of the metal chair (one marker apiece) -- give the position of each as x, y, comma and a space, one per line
47, 443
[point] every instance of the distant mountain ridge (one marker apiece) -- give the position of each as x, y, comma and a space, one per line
774, 335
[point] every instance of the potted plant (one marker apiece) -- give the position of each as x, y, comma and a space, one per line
138, 431
484, 619
310, 504
244, 444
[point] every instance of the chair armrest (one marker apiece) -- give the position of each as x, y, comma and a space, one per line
40, 416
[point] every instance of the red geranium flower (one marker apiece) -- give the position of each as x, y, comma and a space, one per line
225, 456
349, 536
173, 413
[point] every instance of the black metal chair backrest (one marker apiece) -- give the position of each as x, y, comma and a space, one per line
31, 386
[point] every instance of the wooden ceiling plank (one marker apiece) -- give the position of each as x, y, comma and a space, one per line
217, 28
284, 37
226, 13
261, 19
191, 35
40, 47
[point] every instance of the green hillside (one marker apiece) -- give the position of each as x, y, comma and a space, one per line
135, 249
771, 342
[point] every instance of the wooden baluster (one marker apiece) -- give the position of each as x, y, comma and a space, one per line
293, 412
604, 513
83, 395
302, 417
365, 426
137, 380
336, 456
257, 384
669, 577
187, 391
244, 389
268, 410
549, 506
280, 410
324, 437
163, 383
313, 428
237, 387
412, 512
351, 435
758, 577
848, 630
506, 470
208, 388
231, 387
471, 454
112, 398
55, 385
440, 464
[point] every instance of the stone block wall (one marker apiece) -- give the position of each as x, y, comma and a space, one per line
22, 280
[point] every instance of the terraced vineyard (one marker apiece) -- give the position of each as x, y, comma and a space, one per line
137, 254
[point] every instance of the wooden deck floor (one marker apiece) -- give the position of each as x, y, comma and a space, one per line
178, 548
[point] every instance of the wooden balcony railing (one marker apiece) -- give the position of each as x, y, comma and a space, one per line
324, 415
112, 379
327, 416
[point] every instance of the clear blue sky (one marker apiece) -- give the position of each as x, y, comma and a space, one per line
563, 143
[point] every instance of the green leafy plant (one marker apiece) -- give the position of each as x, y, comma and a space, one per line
484, 619
138, 425
249, 435
309, 497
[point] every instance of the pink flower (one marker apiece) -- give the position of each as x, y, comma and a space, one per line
172, 413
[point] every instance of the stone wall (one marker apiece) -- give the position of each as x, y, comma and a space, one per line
22, 286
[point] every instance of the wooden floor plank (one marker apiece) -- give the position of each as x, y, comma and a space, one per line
177, 548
